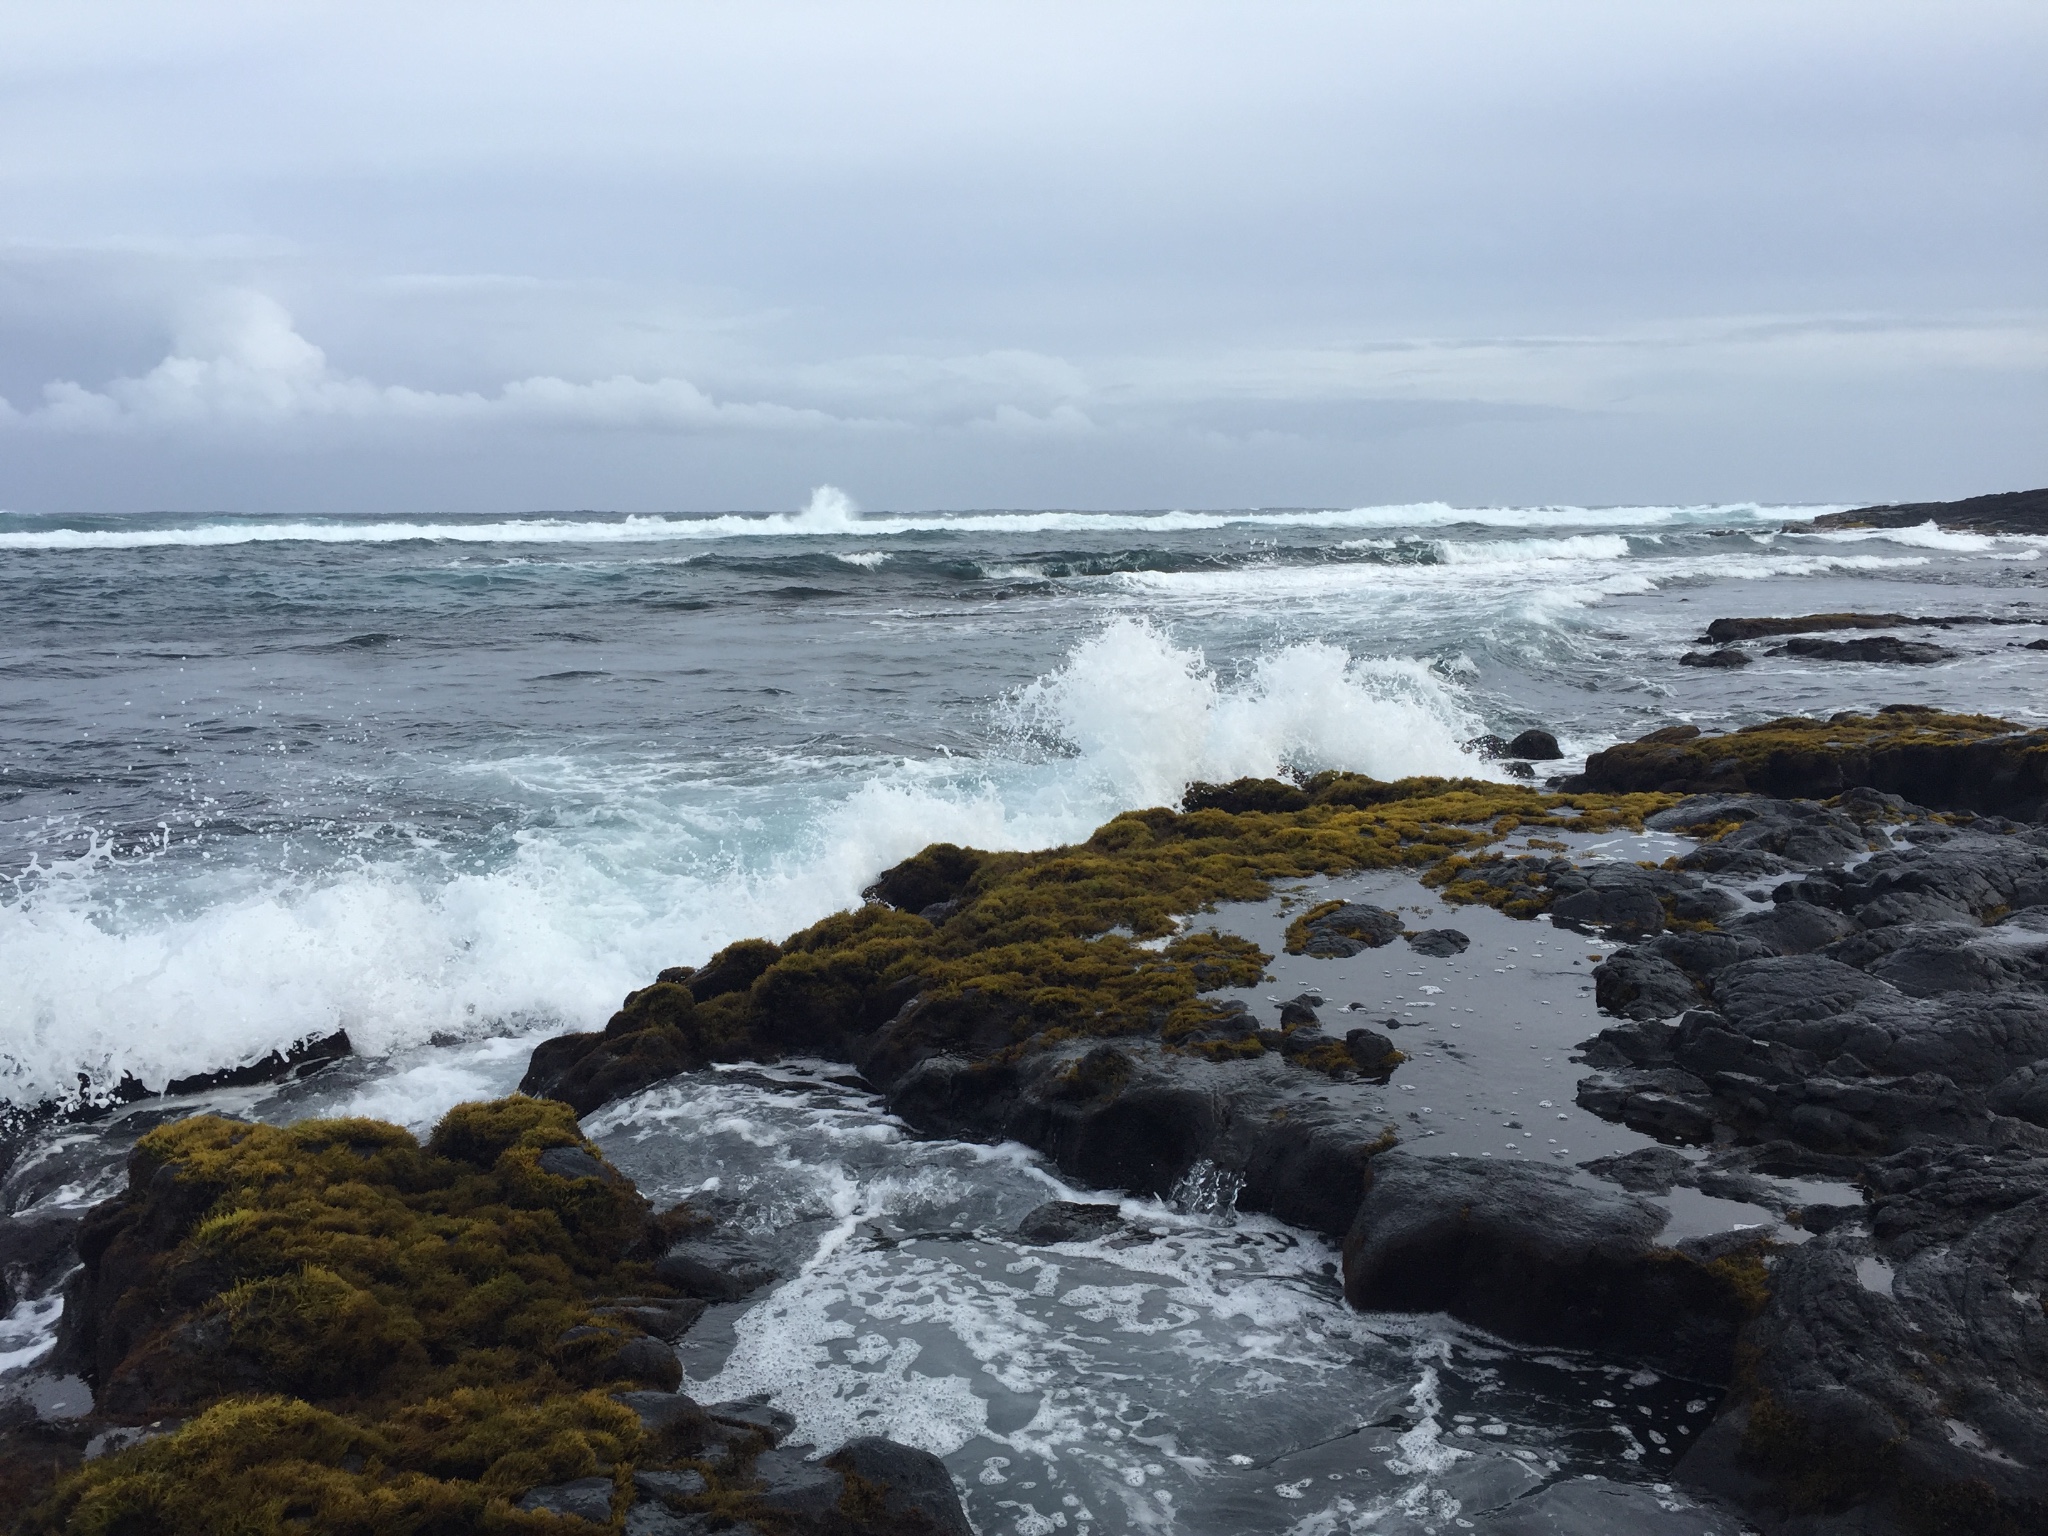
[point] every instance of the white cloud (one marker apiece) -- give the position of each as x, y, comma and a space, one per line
238, 361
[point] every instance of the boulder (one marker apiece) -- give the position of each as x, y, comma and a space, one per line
1349, 929
722, 1266
1065, 1221
1535, 745
908, 1484
1531, 1253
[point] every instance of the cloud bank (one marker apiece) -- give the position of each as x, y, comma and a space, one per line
695, 257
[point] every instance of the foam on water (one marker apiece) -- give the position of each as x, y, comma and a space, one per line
1194, 1372
831, 512
197, 966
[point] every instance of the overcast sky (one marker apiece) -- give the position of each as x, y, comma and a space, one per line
447, 257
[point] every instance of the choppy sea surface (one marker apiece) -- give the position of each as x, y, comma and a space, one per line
455, 783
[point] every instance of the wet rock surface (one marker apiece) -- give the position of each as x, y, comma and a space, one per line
1825, 1018
1723, 659
1880, 1021
1536, 1254
1882, 649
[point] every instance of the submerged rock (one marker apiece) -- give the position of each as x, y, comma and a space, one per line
1065, 1221
1725, 658
1878, 648
1438, 943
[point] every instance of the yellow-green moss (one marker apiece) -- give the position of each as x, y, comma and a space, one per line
1084, 940
404, 1309
1944, 761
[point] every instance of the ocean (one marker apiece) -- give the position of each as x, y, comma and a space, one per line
456, 784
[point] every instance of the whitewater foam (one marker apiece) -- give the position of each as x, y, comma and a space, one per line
831, 513
220, 966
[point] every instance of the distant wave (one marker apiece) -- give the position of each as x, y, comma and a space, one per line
831, 514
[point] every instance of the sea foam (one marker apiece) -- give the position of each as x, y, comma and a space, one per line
831, 513
217, 966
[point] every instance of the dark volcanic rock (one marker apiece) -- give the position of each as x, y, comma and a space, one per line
299, 1060
1724, 658
1300, 1010
1537, 746
1526, 1251
1878, 648
588, 1498
1948, 762
1895, 1030
1792, 832
35, 1255
2022, 512
1066, 1221
2023, 1095
718, 1267
1439, 943
1723, 631
1137, 1117
1793, 927
1351, 928
1635, 984
1912, 1360
1488, 748
913, 1484
754, 1414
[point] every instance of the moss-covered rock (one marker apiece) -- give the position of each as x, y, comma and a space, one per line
349, 1334
1943, 761
985, 955
366, 1334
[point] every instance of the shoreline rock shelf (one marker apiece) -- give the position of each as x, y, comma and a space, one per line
1827, 1006
1068, 1000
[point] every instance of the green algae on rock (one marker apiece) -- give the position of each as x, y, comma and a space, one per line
364, 1334
1943, 761
986, 955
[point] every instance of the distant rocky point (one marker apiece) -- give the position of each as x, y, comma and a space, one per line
2007, 512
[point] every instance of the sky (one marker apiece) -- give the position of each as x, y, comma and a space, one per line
310, 258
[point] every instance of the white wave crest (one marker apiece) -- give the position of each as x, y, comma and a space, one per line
1927, 535
831, 513
1150, 718
1580, 546
220, 967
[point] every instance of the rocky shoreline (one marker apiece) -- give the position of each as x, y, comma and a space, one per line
1828, 1028
1850, 990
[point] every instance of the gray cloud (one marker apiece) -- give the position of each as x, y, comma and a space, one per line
706, 256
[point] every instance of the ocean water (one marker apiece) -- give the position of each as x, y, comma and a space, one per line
453, 784
447, 779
